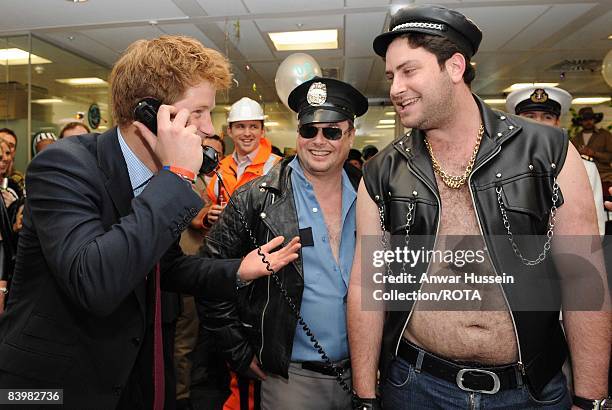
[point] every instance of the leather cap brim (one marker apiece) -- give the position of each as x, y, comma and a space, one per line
318, 115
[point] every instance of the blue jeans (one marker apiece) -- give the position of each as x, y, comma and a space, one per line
405, 388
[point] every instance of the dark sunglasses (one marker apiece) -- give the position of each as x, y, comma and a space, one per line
310, 131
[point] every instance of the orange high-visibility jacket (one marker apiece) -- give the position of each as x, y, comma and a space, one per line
263, 162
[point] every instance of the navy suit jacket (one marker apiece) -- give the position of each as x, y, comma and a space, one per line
77, 311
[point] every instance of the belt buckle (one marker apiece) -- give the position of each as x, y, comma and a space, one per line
496, 383
331, 371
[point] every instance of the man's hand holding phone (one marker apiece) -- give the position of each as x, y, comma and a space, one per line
213, 213
176, 143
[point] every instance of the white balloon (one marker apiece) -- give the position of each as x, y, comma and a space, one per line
293, 71
606, 68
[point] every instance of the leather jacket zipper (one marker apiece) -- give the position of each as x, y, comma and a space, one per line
435, 192
263, 312
520, 361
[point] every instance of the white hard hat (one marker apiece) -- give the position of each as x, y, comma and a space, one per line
245, 109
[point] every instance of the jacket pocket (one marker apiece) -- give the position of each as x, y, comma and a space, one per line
400, 212
48, 329
420, 214
528, 200
34, 365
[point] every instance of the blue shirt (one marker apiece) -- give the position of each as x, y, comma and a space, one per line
325, 281
139, 174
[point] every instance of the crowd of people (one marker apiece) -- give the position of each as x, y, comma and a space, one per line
133, 280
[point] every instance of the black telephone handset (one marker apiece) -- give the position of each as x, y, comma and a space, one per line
210, 162
146, 112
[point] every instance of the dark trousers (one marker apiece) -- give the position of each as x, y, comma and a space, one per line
210, 377
138, 392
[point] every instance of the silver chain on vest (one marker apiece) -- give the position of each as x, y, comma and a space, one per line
549, 234
383, 238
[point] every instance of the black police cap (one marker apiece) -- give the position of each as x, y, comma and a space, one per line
433, 20
327, 100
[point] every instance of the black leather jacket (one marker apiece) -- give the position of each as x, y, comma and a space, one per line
516, 155
259, 322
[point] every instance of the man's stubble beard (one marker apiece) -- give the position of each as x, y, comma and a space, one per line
436, 113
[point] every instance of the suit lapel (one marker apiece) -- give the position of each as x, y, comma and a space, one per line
112, 163
118, 185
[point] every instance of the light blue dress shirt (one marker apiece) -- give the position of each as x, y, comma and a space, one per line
139, 174
325, 281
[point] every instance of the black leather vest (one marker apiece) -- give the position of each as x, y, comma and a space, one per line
522, 158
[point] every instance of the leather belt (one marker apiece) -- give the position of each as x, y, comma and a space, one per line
475, 378
587, 158
324, 368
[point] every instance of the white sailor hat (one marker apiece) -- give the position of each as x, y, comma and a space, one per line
536, 98
41, 136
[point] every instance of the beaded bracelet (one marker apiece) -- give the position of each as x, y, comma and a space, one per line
186, 174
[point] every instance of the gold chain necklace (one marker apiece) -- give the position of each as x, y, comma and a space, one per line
456, 181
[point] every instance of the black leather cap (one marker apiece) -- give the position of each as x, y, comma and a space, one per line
327, 100
434, 20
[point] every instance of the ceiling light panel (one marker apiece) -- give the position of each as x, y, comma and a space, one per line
17, 56
590, 100
83, 82
520, 86
305, 40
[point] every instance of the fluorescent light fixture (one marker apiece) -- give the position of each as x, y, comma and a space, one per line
48, 100
370, 141
590, 100
305, 40
271, 124
385, 126
390, 113
386, 121
85, 81
495, 101
17, 56
520, 86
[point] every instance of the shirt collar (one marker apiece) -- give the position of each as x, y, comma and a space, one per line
137, 170
248, 157
346, 182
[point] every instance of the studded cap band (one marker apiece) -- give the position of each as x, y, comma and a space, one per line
420, 24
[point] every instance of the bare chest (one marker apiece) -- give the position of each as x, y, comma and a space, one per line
458, 216
480, 331
331, 209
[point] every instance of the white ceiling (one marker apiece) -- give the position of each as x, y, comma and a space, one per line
522, 38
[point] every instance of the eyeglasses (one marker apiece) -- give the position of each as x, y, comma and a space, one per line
310, 131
